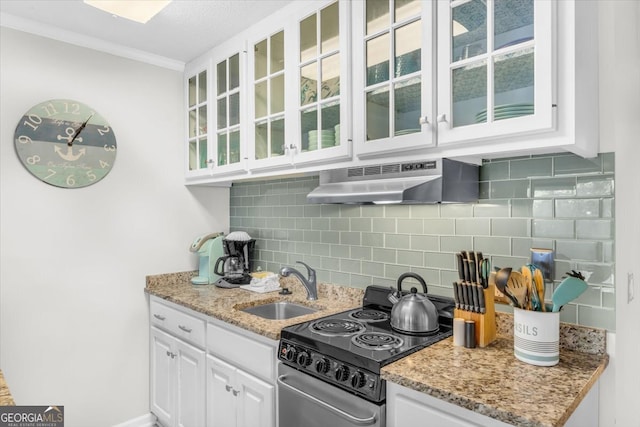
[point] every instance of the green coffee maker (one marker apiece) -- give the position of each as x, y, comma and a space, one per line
209, 249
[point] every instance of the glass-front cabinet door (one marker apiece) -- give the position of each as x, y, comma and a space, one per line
267, 79
323, 125
494, 68
229, 139
198, 158
393, 75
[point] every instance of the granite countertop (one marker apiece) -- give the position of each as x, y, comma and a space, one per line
482, 379
470, 378
226, 304
5, 395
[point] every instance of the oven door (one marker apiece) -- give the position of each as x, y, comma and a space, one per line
306, 401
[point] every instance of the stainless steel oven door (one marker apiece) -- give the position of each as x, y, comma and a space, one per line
306, 401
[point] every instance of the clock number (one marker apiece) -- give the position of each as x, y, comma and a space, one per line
33, 122
92, 177
104, 130
109, 147
50, 109
104, 164
75, 108
71, 181
33, 159
23, 139
51, 173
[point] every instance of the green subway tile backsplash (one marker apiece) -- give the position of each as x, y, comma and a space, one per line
560, 201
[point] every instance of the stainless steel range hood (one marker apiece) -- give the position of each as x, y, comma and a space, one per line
436, 181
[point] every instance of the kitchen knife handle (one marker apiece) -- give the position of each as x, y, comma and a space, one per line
481, 301
472, 272
461, 298
467, 276
476, 299
460, 259
468, 299
455, 294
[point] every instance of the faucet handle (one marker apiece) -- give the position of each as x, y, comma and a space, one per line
310, 271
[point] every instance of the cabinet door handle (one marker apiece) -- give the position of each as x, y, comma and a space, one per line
168, 353
228, 388
424, 120
184, 328
235, 392
442, 118
159, 317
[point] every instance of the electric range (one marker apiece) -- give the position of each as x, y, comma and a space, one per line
348, 349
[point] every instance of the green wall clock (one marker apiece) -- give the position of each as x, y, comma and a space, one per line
65, 143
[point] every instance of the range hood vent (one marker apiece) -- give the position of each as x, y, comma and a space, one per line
424, 182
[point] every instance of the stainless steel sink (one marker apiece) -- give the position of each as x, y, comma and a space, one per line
279, 310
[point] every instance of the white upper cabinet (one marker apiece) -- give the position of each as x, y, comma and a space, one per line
229, 95
299, 87
340, 83
394, 76
495, 69
198, 156
428, 74
323, 67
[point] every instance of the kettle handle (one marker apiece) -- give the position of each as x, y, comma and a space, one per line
414, 276
217, 271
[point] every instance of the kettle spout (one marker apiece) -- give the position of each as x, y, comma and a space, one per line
392, 298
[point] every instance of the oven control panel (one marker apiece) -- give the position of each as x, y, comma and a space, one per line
336, 372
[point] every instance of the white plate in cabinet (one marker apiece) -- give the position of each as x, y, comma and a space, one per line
178, 323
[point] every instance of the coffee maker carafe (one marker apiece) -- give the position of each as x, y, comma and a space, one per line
235, 265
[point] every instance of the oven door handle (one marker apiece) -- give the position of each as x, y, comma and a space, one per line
338, 411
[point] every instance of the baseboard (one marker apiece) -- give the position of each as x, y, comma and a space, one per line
146, 420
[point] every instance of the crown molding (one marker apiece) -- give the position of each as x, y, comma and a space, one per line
49, 31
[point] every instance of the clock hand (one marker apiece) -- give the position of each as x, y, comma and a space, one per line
77, 132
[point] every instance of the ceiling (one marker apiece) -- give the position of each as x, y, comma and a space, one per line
179, 33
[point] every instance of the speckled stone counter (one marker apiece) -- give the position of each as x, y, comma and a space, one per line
483, 379
5, 395
226, 304
480, 379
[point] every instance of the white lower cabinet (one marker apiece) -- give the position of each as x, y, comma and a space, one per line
240, 377
410, 408
177, 381
236, 398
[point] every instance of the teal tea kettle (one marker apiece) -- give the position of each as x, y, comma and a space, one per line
209, 249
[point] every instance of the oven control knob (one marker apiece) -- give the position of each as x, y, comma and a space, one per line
304, 359
291, 354
342, 373
358, 380
322, 366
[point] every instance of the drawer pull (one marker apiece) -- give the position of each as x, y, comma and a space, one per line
159, 317
184, 328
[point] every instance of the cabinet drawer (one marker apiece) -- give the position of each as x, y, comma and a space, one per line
246, 352
178, 324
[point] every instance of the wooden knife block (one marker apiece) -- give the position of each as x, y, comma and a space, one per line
485, 323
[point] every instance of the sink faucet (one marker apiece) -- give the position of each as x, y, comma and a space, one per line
309, 284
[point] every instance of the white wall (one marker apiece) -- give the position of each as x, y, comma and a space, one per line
73, 314
620, 128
